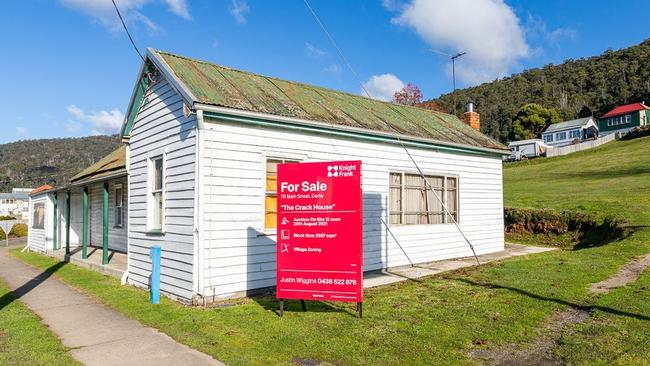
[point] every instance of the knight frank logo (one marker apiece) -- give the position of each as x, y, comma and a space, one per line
332, 171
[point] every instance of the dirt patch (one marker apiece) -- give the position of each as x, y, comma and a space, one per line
628, 273
566, 229
539, 351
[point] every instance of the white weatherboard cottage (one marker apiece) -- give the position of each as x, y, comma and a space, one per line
570, 132
203, 143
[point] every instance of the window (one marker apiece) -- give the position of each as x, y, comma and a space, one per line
560, 136
271, 192
412, 201
119, 206
548, 138
628, 118
574, 134
38, 221
157, 199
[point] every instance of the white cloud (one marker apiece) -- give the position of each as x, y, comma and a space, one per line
334, 69
238, 9
21, 131
535, 26
179, 7
104, 122
488, 30
103, 12
314, 51
382, 87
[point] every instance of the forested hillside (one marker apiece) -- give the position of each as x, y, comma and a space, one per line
575, 88
31, 163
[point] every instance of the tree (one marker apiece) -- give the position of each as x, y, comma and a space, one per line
408, 95
532, 119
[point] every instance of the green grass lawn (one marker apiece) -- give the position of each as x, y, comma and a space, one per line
611, 180
438, 319
24, 340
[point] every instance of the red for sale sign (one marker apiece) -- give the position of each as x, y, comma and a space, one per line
319, 243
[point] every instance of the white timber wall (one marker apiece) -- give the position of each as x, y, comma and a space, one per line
240, 256
117, 236
160, 128
40, 240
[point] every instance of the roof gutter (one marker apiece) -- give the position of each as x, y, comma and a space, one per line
269, 120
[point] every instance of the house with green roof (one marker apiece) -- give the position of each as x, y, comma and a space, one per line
202, 146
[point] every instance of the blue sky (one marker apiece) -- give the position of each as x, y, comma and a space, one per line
68, 68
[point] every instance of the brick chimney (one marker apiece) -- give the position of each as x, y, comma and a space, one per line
470, 117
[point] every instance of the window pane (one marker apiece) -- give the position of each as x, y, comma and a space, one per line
271, 182
270, 212
158, 210
118, 197
38, 221
158, 176
395, 179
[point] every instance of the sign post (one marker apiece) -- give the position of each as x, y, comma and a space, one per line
320, 232
6, 226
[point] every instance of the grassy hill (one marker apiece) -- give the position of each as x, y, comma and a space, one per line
575, 88
31, 163
611, 180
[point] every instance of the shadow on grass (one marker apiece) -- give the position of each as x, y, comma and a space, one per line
21, 291
270, 303
577, 306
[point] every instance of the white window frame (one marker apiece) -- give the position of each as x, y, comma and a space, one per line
151, 227
628, 118
446, 217
548, 138
34, 209
119, 208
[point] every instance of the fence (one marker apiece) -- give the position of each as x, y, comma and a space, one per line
557, 151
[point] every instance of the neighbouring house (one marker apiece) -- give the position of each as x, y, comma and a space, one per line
526, 149
202, 144
15, 203
570, 132
95, 200
624, 118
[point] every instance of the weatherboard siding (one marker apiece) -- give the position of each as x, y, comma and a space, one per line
240, 256
117, 236
160, 128
40, 240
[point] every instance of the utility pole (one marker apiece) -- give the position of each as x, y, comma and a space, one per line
453, 74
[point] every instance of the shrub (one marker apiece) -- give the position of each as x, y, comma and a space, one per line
17, 231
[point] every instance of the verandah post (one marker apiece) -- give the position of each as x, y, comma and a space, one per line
84, 239
105, 224
67, 222
55, 202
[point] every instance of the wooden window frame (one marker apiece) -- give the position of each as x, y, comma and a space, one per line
119, 224
152, 191
445, 188
267, 193
34, 222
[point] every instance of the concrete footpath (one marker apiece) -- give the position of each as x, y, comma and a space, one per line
399, 274
95, 334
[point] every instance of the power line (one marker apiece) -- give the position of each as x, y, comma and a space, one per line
426, 182
127, 30
331, 39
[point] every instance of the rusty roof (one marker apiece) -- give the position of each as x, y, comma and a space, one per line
113, 163
226, 87
44, 187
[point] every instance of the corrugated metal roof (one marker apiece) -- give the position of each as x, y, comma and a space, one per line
112, 163
14, 196
44, 187
225, 87
624, 109
567, 124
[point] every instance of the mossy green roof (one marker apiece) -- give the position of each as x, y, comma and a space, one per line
226, 87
